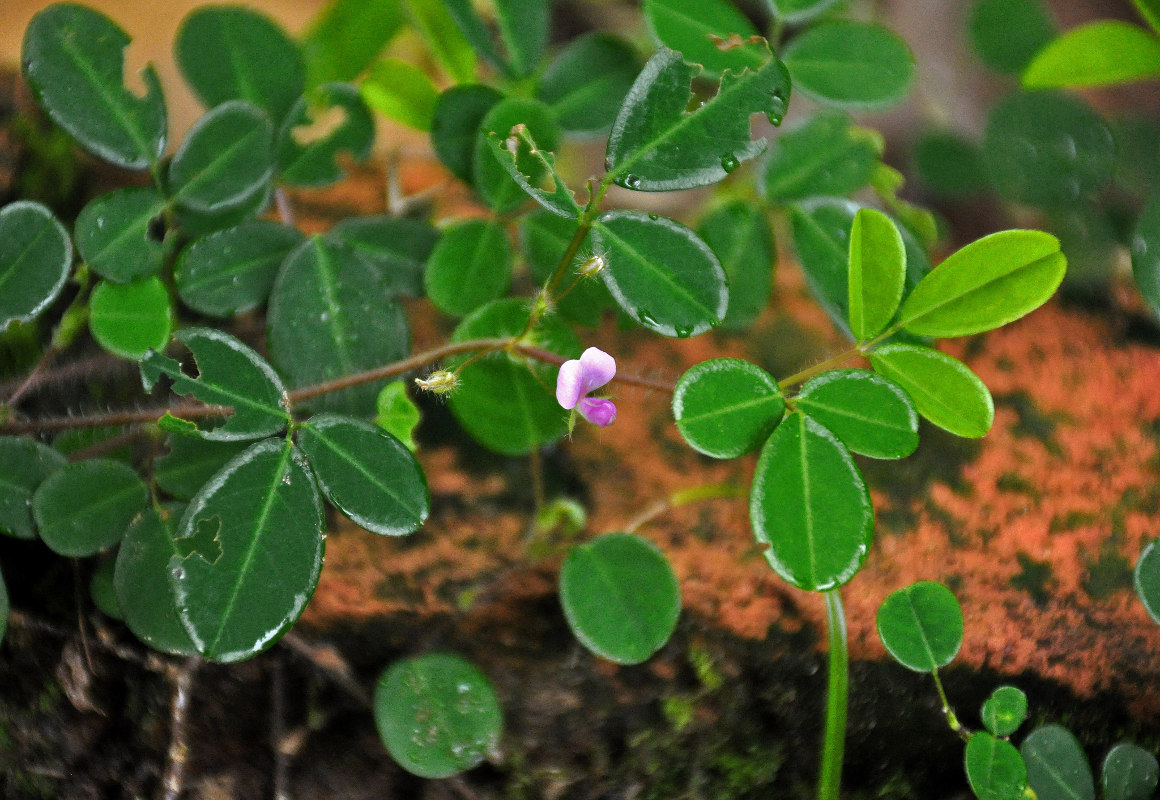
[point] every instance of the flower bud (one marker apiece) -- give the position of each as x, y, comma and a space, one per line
438, 382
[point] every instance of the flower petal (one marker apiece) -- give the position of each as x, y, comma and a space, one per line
599, 368
598, 411
569, 384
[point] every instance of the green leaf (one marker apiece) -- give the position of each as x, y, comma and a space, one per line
824, 155
726, 407
1008, 33
224, 160
869, 414
1145, 250
523, 31
1057, 768
921, 626
367, 474
988, 283
73, 59
586, 82
944, 390
229, 52
821, 238
657, 145
131, 319
798, 11
233, 270
120, 235
251, 544
229, 374
995, 769
330, 315
508, 405
491, 177
444, 40
396, 246
519, 151
950, 165
455, 123
739, 235
544, 239
620, 597
877, 272
1129, 773
1150, 11
194, 224
661, 273
397, 414
437, 715
35, 257
141, 582
1102, 53
101, 590
331, 121
1047, 148
470, 265
1147, 579
347, 36
190, 463
696, 28
26, 463
401, 91
850, 64
84, 508
1004, 711
810, 505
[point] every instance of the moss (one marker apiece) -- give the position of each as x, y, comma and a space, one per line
1107, 573
1034, 578
1015, 483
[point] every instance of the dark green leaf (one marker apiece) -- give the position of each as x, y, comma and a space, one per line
994, 768
810, 505
877, 272
850, 64
798, 11
1005, 710
397, 247
347, 36
1145, 251
518, 152
921, 626
726, 407
950, 165
694, 28
437, 715
190, 463
331, 121
26, 463
1057, 768
1137, 140
821, 239
944, 390
661, 273
620, 597
401, 91
1008, 33
1150, 11
84, 508
868, 413
523, 30
35, 256
490, 177
444, 40
73, 59
131, 319
120, 234
824, 155
194, 224
1129, 773
1147, 579
657, 145
455, 123
224, 160
397, 414
1102, 53
585, 84
544, 238
470, 265
739, 235
4, 608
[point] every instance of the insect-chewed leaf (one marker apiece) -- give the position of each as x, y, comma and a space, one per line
995, 769
224, 160
1101, 53
1004, 711
1057, 768
230, 374
1147, 579
469, 266
921, 626
585, 84
25, 463
73, 59
712, 33
117, 234
397, 246
726, 407
877, 272
35, 257
944, 389
496, 180
397, 414
459, 112
251, 545
656, 145
825, 155
798, 11
523, 28
141, 582
739, 235
1129, 773
190, 463
1146, 254
519, 151
332, 120
131, 319
84, 508
850, 64
868, 413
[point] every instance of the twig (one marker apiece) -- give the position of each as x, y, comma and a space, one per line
330, 662
178, 755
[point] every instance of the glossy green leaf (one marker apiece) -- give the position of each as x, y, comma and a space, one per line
85, 507
1047, 148
1147, 579
330, 315
401, 91
367, 474
523, 32
455, 123
346, 37
1004, 711
988, 283
869, 414
944, 390
921, 626
657, 145
396, 246
518, 152
470, 265
811, 507
586, 82
251, 547
73, 59
739, 235
230, 52
798, 11
949, 165
995, 769
101, 590
141, 582
131, 319
444, 40
230, 374
437, 715
695, 28
1150, 11
489, 175
500, 402
726, 407
821, 239
120, 235
35, 257
1129, 773
1008, 33
544, 239
397, 414
329, 124
824, 155
190, 463
224, 160
233, 270
877, 272
850, 64
194, 223
661, 273
1102, 53
1145, 250
26, 463
1057, 768
4, 608
620, 597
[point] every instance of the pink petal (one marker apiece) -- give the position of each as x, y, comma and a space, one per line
598, 411
569, 384
599, 368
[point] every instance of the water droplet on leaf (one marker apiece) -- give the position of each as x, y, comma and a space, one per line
730, 163
630, 181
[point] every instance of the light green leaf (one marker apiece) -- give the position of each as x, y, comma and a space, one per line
26, 463
1004, 711
347, 36
544, 238
726, 407
73, 59
995, 769
586, 82
810, 505
1102, 53
1145, 250
190, 463
850, 64
331, 121
620, 597
1147, 579
1057, 768
131, 319
921, 626
455, 123
120, 235
1129, 773
84, 508
944, 390
877, 272
949, 165
141, 582
869, 414
401, 91
397, 414
224, 160
444, 41
1008, 33
398, 247
739, 235
519, 151
824, 155
35, 257
470, 265
696, 28
491, 177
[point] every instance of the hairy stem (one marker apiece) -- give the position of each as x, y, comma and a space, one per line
834, 740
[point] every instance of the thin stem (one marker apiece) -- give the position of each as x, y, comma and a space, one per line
834, 741
31, 380
695, 494
817, 369
948, 712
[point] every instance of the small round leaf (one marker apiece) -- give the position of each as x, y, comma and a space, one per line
726, 407
1147, 579
35, 256
1145, 251
455, 122
1057, 768
120, 235
586, 83
130, 319
85, 507
101, 590
995, 769
921, 626
824, 155
739, 235
850, 64
944, 389
141, 582
1008, 33
870, 414
397, 246
224, 160
470, 265
1129, 773
26, 463
1004, 711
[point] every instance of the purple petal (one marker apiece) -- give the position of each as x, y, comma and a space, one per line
599, 368
598, 411
569, 384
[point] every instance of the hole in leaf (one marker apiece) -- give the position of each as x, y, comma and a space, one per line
204, 542
133, 66
155, 230
323, 124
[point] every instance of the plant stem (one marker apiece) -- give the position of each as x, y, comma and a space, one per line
817, 369
712, 491
834, 741
948, 712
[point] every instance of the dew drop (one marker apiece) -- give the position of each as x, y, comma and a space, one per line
654, 217
179, 574
730, 163
684, 331
631, 181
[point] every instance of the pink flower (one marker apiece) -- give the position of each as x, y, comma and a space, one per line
581, 376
